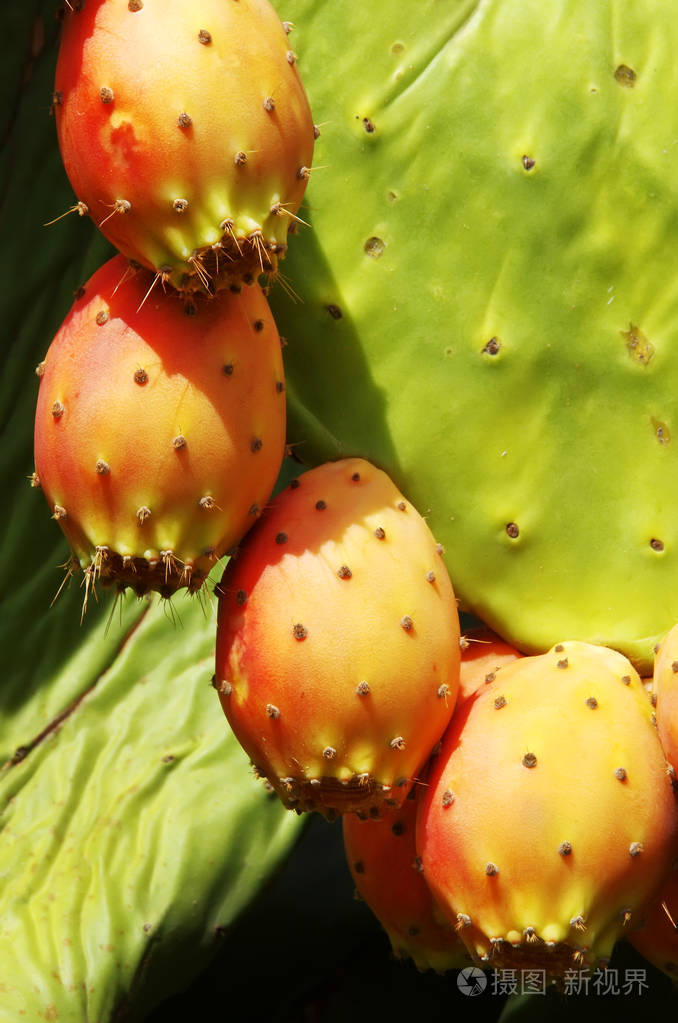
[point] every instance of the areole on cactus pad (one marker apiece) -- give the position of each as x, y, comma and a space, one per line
186, 132
159, 428
337, 660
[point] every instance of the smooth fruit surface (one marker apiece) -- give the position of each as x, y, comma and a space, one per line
337, 660
159, 428
382, 859
185, 130
550, 819
482, 655
657, 937
664, 687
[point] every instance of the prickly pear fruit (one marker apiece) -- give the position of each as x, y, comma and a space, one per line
160, 427
185, 131
483, 653
337, 659
382, 858
657, 937
665, 694
550, 819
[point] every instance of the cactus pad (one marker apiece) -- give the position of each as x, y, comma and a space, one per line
501, 305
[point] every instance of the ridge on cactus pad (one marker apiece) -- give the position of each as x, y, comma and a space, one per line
337, 660
159, 427
550, 820
186, 133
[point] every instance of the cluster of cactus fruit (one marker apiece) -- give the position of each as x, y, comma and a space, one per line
160, 428
497, 808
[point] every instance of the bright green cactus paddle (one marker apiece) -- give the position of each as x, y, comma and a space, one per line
488, 296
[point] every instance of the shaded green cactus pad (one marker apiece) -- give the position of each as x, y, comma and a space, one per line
132, 836
488, 298
132, 830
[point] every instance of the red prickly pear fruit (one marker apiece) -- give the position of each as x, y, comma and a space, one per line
185, 132
337, 660
550, 820
386, 871
657, 937
483, 653
160, 427
664, 692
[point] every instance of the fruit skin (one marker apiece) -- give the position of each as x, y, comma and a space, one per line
665, 694
483, 652
657, 937
186, 133
550, 819
159, 428
382, 859
337, 660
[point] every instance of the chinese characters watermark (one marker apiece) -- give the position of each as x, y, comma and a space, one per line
631, 981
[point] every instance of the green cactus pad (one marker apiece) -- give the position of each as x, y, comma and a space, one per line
132, 830
488, 299
132, 835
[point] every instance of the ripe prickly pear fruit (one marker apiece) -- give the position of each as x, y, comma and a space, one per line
337, 659
657, 937
550, 819
185, 131
483, 653
665, 694
386, 871
160, 427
